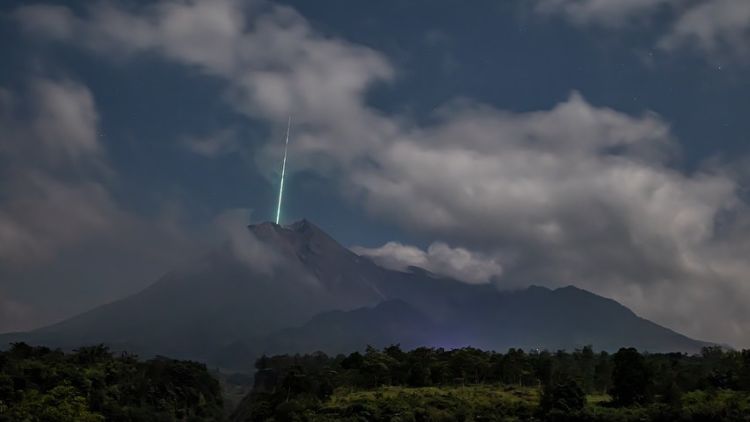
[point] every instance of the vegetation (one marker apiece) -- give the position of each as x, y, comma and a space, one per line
425, 384
39, 384
472, 385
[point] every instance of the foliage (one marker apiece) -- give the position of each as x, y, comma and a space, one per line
562, 398
425, 384
631, 378
39, 384
468, 384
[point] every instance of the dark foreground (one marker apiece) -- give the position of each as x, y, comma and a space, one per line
39, 384
473, 385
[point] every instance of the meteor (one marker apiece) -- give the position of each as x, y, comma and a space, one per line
283, 170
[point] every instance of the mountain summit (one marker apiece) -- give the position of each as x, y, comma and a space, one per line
285, 289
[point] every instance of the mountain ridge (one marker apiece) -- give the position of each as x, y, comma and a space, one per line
278, 286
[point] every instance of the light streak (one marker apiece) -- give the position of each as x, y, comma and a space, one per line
283, 170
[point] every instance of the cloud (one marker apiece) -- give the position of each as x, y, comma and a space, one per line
715, 27
439, 258
263, 251
43, 214
274, 58
42, 211
61, 227
576, 194
66, 119
245, 246
712, 27
60, 133
573, 193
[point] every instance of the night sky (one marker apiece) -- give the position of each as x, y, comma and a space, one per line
597, 143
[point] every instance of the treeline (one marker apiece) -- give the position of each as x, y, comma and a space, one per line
91, 384
713, 385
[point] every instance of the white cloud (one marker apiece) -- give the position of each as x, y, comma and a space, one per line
57, 200
276, 62
66, 119
42, 210
576, 193
439, 258
713, 27
60, 133
245, 246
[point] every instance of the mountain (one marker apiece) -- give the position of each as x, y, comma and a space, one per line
281, 289
271, 278
390, 322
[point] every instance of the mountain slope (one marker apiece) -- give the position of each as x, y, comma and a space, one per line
248, 296
390, 322
225, 296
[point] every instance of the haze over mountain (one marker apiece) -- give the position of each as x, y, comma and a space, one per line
290, 289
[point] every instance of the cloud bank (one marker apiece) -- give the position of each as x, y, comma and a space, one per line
575, 193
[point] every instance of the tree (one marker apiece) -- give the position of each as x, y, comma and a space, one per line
566, 397
399, 368
468, 365
6, 388
744, 377
631, 378
61, 404
513, 366
419, 364
542, 366
586, 364
353, 361
39, 384
376, 368
603, 373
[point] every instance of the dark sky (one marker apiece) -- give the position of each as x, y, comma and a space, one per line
553, 142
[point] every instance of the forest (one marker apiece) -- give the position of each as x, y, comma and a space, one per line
390, 384
468, 384
91, 385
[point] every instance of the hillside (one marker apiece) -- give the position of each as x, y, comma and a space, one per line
295, 289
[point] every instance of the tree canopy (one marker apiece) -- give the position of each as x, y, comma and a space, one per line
91, 384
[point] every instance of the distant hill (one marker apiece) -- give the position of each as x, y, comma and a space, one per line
295, 289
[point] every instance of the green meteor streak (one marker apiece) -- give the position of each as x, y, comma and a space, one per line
283, 170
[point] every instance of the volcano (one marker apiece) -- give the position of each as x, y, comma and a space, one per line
289, 289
